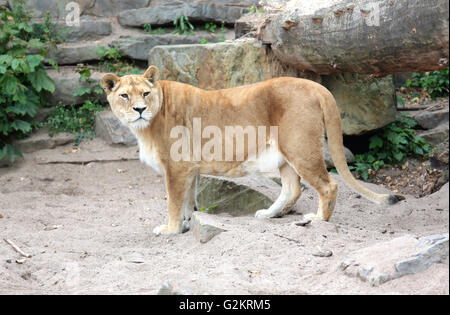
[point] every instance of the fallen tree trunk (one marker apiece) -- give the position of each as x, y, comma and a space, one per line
363, 36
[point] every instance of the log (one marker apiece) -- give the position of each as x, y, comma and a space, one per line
365, 36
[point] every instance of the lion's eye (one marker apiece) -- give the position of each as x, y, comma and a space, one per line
124, 96
146, 94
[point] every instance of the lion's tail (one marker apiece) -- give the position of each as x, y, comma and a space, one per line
333, 125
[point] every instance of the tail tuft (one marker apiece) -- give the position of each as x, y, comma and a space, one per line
393, 199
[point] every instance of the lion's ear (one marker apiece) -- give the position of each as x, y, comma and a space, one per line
152, 74
109, 82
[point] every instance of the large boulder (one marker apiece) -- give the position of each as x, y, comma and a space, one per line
365, 36
164, 12
221, 65
365, 103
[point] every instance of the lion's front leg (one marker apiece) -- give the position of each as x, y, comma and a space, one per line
180, 191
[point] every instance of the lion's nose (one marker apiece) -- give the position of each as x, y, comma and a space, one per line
140, 110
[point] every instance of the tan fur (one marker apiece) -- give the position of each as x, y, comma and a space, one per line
300, 108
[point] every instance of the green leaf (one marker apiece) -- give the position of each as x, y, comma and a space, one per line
20, 125
34, 61
375, 142
41, 81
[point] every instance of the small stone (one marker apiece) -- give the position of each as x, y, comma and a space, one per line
303, 222
322, 253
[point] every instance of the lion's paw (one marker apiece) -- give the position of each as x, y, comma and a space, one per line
312, 217
263, 214
163, 230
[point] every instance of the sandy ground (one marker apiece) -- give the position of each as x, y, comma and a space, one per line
88, 226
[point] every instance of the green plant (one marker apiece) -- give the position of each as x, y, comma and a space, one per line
391, 145
183, 26
211, 27
204, 41
23, 78
254, 9
435, 83
77, 120
48, 31
111, 60
157, 31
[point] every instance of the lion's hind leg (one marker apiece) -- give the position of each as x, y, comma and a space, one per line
290, 192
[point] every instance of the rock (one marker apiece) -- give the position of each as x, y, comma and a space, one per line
166, 289
41, 140
75, 53
429, 119
165, 12
366, 37
235, 196
328, 159
436, 136
322, 253
57, 8
365, 103
138, 47
67, 82
204, 226
249, 23
221, 65
110, 8
89, 29
109, 128
401, 256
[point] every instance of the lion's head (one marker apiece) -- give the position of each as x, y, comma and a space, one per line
134, 99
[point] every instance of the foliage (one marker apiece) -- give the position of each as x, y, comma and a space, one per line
157, 31
254, 9
204, 41
211, 27
48, 31
111, 60
391, 145
76, 120
23, 78
435, 83
182, 25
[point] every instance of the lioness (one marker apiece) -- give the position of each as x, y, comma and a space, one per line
301, 109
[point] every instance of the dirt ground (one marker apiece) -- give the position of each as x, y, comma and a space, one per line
86, 218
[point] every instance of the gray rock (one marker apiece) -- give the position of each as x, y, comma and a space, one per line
75, 53
57, 8
233, 196
41, 140
436, 252
396, 258
365, 103
429, 119
328, 159
366, 36
67, 82
109, 128
89, 29
437, 135
110, 8
204, 226
138, 47
165, 12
